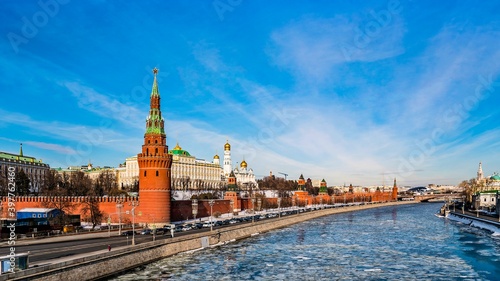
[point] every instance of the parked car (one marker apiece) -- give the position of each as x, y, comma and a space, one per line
159, 231
208, 224
127, 233
146, 231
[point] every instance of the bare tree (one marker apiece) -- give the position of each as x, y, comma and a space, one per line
91, 210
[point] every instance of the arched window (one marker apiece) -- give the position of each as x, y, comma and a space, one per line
144, 173
156, 141
156, 150
156, 173
147, 151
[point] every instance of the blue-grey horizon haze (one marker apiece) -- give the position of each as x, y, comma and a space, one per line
352, 92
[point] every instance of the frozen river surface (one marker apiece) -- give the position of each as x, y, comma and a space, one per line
405, 242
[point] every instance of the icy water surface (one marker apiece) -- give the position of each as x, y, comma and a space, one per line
389, 243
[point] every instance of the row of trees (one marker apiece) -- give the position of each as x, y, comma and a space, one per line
80, 184
285, 187
21, 180
60, 185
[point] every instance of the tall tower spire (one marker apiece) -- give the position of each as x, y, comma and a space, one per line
154, 122
21, 150
154, 165
395, 191
480, 175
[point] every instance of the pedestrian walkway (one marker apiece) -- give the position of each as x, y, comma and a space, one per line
477, 216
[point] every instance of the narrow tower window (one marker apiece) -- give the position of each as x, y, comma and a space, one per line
144, 173
156, 173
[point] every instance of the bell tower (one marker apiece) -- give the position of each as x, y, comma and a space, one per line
154, 166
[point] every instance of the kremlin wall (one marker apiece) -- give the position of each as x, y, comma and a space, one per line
154, 204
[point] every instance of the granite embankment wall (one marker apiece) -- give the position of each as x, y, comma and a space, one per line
98, 266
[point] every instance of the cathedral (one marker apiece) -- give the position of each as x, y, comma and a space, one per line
244, 175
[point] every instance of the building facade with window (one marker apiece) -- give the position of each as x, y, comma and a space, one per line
188, 172
34, 168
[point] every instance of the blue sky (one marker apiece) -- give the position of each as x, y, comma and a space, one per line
351, 92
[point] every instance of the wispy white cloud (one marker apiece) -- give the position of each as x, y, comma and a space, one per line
52, 147
103, 105
313, 47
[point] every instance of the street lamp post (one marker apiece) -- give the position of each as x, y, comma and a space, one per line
109, 225
211, 203
134, 205
194, 205
259, 203
463, 204
253, 209
231, 204
279, 205
119, 206
153, 230
478, 204
321, 202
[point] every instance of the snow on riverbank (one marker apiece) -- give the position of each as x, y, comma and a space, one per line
475, 223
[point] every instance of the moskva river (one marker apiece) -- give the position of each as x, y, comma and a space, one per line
405, 242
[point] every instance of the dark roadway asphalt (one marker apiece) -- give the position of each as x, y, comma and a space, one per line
51, 250
46, 251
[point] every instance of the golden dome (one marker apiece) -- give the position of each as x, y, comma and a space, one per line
227, 146
177, 147
216, 156
243, 164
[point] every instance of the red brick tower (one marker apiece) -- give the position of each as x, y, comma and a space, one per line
232, 193
395, 191
154, 166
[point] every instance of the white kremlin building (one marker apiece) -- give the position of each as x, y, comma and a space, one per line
191, 173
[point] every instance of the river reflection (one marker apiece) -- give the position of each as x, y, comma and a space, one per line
390, 243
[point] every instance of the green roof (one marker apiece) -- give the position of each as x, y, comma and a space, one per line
488, 192
495, 178
17, 157
179, 151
